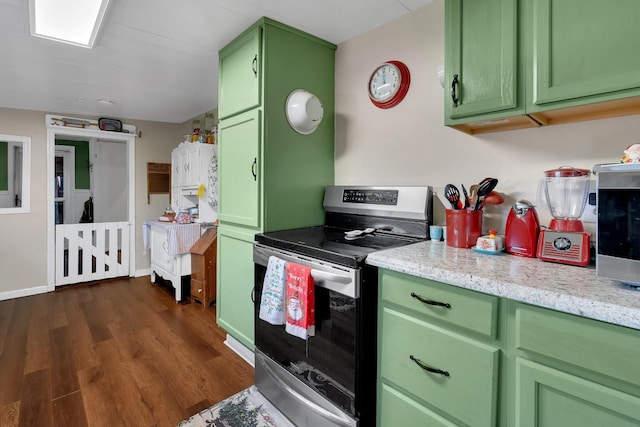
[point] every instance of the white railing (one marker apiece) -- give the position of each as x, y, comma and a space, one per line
88, 252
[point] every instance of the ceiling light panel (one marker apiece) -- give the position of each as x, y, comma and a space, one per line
76, 22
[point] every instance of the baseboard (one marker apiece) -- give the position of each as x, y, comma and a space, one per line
23, 292
240, 350
140, 273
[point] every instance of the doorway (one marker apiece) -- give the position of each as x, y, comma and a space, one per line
64, 179
78, 251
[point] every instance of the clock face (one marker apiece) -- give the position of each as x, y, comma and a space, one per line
389, 84
385, 82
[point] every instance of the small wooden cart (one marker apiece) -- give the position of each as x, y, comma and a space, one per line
203, 268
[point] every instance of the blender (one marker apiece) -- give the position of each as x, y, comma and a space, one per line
566, 190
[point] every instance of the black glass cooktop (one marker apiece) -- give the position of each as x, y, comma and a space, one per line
329, 243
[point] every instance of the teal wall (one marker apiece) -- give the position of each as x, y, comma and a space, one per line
83, 181
4, 166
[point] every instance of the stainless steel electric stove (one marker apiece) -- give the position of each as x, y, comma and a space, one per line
330, 378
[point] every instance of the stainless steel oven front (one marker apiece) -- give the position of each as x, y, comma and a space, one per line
328, 379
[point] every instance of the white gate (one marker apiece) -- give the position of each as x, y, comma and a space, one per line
88, 252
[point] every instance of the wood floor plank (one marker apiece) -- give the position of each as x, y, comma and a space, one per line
126, 393
96, 320
69, 411
163, 404
10, 414
35, 401
135, 354
13, 358
84, 355
186, 390
6, 311
57, 314
198, 344
37, 357
96, 398
64, 378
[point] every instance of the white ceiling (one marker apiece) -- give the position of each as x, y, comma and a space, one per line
157, 59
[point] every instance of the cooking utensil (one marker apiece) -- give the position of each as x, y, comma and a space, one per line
494, 198
465, 205
485, 187
473, 191
452, 194
354, 234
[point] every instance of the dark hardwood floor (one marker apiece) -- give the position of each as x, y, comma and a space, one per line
112, 353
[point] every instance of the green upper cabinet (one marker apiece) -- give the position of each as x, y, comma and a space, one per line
483, 74
239, 78
584, 50
482, 64
527, 63
271, 177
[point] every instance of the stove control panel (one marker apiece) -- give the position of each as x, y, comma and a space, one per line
407, 202
373, 197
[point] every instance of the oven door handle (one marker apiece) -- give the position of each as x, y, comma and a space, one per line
323, 276
341, 281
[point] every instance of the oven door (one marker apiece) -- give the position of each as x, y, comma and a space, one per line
325, 362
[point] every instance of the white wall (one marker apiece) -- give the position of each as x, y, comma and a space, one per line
23, 237
410, 145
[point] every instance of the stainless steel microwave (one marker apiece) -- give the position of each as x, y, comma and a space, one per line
618, 224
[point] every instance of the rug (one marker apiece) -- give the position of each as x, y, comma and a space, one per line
248, 408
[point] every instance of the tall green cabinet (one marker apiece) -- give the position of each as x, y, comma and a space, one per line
270, 177
512, 64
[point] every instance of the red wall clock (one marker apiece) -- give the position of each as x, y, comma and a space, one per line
389, 84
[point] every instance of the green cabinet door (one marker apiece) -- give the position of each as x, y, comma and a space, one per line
239, 74
548, 397
584, 49
397, 409
238, 169
481, 64
234, 304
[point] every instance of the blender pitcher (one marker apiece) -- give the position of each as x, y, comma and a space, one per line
566, 190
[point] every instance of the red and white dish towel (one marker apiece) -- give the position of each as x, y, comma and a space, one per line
288, 297
300, 301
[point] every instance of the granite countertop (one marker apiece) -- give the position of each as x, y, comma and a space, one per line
566, 288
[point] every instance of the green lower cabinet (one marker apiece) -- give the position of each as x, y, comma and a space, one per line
466, 386
547, 397
234, 304
396, 409
520, 365
437, 365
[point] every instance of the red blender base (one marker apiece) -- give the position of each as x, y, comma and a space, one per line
566, 225
565, 247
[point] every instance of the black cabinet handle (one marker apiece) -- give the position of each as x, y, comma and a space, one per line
254, 168
428, 368
254, 65
429, 301
253, 295
454, 90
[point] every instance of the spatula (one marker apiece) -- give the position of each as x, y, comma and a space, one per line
452, 194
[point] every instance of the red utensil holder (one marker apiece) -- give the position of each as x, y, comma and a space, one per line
464, 226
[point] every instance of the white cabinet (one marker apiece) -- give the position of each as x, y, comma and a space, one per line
193, 165
190, 163
169, 267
